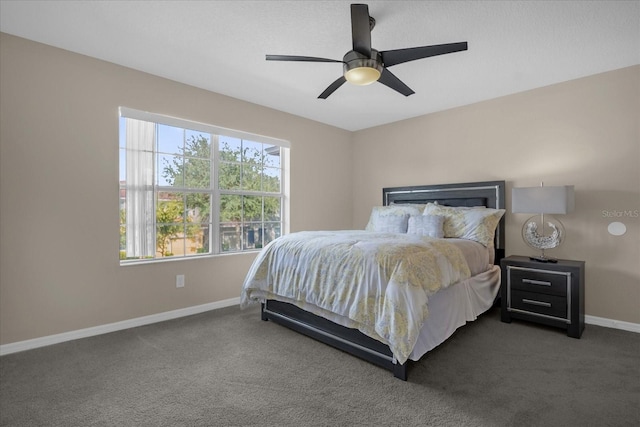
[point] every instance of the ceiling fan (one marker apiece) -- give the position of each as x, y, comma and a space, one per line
364, 65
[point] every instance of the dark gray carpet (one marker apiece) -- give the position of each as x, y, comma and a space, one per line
229, 368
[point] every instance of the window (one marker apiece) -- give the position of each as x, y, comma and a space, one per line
189, 189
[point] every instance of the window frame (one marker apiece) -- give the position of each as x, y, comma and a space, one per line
214, 191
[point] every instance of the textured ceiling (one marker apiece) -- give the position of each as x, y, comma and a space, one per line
221, 45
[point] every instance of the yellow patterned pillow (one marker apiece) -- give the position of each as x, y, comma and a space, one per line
477, 224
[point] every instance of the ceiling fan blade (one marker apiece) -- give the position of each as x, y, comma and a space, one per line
332, 87
387, 78
360, 29
299, 58
398, 56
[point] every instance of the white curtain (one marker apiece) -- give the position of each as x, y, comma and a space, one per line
139, 199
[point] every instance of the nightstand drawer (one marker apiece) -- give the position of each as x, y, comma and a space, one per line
549, 305
531, 280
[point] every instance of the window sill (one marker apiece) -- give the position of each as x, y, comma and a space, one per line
130, 263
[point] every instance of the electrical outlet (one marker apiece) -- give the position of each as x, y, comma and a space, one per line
180, 281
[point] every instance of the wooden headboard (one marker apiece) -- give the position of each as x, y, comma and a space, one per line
487, 193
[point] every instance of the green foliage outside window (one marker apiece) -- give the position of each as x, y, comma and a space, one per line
167, 215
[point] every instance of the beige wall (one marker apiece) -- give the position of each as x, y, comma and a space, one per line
59, 267
584, 132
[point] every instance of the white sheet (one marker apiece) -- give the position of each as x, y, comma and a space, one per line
477, 255
453, 307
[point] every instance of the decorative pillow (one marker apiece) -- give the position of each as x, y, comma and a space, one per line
391, 219
426, 225
391, 224
477, 224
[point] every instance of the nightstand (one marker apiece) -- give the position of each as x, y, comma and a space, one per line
547, 293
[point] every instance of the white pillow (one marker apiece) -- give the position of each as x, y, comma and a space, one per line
391, 224
410, 207
391, 219
426, 225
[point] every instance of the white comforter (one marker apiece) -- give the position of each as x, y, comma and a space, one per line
378, 283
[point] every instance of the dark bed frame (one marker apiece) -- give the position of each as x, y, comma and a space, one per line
488, 193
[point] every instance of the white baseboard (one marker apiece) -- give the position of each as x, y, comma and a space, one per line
610, 323
174, 314
112, 327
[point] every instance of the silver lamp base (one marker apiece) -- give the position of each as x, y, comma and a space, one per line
543, 233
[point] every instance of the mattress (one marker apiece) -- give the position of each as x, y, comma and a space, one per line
478, 257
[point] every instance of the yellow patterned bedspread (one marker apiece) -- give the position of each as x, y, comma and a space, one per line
378, 283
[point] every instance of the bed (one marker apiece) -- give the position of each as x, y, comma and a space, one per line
411, 314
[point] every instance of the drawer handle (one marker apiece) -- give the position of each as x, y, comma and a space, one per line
536, 282
534, 302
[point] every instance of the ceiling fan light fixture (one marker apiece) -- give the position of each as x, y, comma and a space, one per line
362, 72
362, 76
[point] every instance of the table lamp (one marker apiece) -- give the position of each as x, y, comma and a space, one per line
543, 231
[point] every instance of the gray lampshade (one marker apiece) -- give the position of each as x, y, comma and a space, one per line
542, 200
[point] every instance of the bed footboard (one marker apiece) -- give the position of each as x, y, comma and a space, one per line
349, 340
